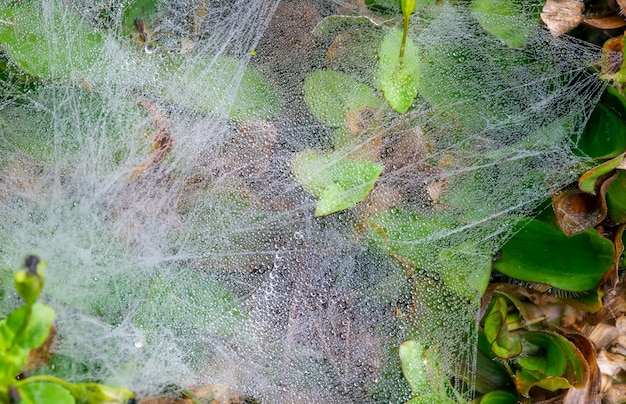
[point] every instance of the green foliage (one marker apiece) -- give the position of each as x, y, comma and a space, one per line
337, 182
208, 87
540, 252
331, 95
605, 133
421, 370
25, 329
506, 20
26, 37
408, 236
397, 74
536, 357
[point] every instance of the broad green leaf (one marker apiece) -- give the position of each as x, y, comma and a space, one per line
331, 95
605, 133
338, 183
452, 81
407, 233
508, 20
398, 76
503, 343
616, 198
211, 85
499, 397
540, 252
421, 369
44, 393
588, 180
37, 328
27, 32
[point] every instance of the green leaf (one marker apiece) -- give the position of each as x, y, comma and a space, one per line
398, 76
540, 252
616, 198
499, 397
412, 356
605, 133
34, 126
44, 393
101, 394
331, 95
466, 271
27, 32
188, 301
507, 20
37, 328
490, 374
210, 85
452, 81
337, 182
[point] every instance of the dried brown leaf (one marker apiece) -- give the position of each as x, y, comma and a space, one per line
576, 211
561, 16
612, 21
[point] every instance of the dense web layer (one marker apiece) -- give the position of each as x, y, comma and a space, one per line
159, 183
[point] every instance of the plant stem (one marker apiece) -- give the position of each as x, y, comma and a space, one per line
405, 32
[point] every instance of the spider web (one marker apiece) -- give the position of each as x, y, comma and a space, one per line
206, 265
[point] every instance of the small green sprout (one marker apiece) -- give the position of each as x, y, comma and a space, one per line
26, 328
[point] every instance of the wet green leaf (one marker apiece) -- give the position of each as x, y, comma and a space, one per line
398, 76
540, 252
507, 20
26, 35
412, 356
210, 86
465, 270
44, 393
338, 183
605, 133
331, 95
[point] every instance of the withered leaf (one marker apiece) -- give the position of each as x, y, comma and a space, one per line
561, 16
